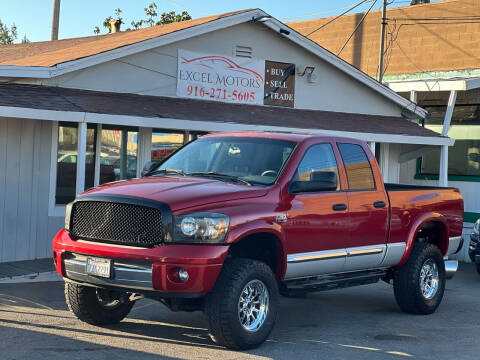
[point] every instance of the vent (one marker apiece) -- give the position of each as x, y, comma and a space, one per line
242, 51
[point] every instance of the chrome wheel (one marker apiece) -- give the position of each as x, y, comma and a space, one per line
253, 305
429, 279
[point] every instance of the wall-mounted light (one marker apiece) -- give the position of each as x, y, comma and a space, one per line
308, 71
261, 18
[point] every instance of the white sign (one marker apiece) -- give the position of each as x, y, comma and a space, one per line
220, 78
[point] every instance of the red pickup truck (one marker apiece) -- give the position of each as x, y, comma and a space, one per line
230, 221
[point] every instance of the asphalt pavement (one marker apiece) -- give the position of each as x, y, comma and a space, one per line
356, 323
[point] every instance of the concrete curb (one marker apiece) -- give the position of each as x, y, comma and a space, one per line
30, 278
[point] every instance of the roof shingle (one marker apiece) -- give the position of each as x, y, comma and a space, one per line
50, 53
65, 99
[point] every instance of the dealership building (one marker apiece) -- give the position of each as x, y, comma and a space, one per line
77, 113
432, 58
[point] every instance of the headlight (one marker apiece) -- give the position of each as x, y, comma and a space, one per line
68, 211
476, 227
201, 228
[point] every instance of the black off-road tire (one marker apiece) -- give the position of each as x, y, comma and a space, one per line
221, 306
83, 302
477, 265
406, 281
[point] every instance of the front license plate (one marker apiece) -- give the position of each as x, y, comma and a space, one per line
99, 267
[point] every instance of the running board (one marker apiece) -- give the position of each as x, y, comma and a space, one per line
330, 282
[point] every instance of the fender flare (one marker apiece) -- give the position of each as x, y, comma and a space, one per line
258, 227
417, 225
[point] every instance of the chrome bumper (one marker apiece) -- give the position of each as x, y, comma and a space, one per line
125, 273
455, 244
451, 267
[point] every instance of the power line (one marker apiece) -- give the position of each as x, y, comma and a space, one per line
440, 18
338, 16
316, 13
356, 27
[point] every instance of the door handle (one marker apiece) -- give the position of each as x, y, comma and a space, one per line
379, 204
339, 207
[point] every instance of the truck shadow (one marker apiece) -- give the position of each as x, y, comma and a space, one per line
168, 334
42, 344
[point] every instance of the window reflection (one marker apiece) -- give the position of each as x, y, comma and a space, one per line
464, 155
67, 161
118, 157
66, 164
318, 158
357, 167
163, 144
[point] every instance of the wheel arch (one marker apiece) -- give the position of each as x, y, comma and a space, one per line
263, 245
435, 224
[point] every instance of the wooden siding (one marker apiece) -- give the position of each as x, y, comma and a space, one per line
25, 228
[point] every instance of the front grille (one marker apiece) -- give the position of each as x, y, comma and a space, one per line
111, 222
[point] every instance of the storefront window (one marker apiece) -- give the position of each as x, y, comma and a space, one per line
195, 134
67, 162
464, 155
164, 143
118, 157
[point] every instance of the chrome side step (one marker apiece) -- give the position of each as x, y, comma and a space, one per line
330, 282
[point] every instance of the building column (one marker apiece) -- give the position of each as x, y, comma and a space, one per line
443, 177
372, 147
98, 153
384, 160
81, 155
144, 153
443, 174
123, 154
413, 96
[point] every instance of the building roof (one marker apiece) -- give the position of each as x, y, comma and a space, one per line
54, 58
50, 53
435, 37
201, 111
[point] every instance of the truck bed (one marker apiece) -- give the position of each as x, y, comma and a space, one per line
409, 203
404, 187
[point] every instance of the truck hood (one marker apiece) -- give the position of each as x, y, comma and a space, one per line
180, 192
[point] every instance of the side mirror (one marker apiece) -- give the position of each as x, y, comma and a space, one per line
149, 166
319, 181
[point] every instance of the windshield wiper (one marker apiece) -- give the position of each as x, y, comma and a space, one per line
219, 175
168, 172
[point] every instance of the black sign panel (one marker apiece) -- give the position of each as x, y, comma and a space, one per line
279, 84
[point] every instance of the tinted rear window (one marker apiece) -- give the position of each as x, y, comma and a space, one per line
357, 167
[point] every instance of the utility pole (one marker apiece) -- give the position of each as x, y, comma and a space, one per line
382, 41
55, 19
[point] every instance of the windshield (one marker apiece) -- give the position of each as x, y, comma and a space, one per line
243, 160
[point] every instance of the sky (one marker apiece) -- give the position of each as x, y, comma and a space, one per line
79, 17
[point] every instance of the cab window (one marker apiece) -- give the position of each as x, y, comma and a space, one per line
358, 169
318, 158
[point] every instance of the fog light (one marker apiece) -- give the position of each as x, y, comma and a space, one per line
183, 275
